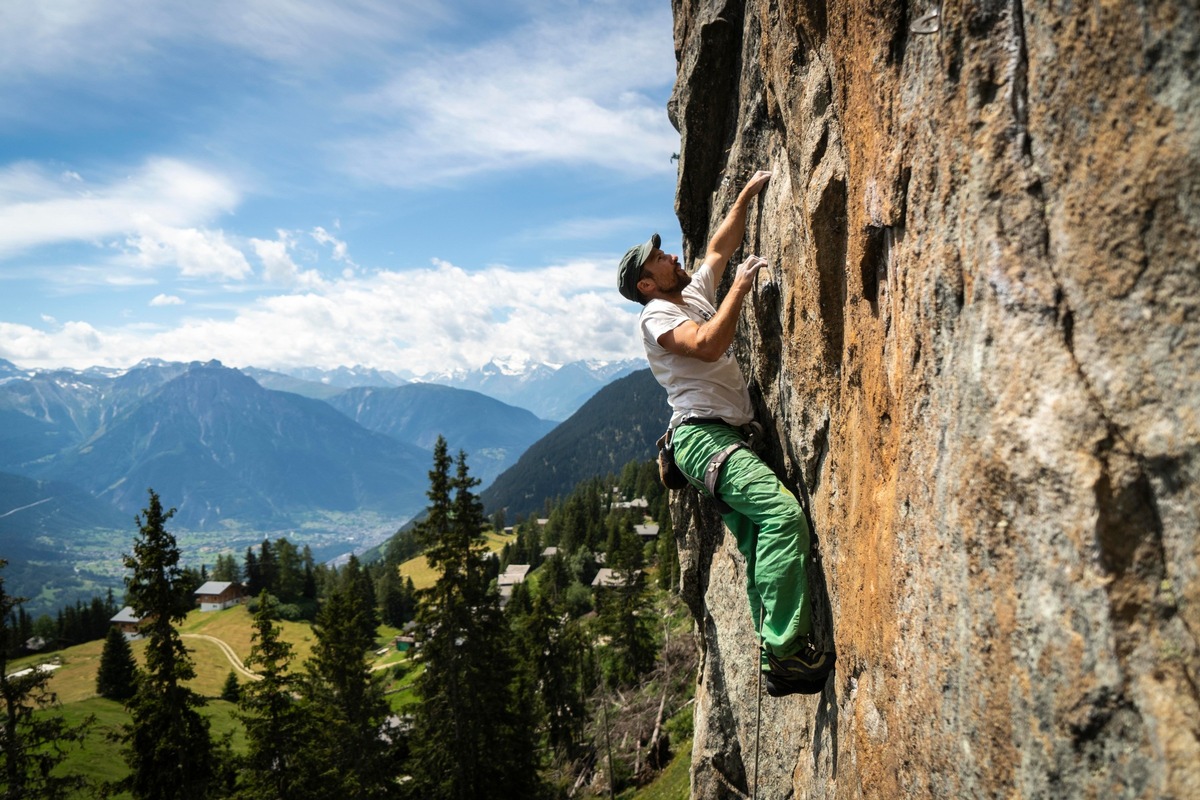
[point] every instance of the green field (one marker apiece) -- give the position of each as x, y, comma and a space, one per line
423, 576
74, 683
213, 638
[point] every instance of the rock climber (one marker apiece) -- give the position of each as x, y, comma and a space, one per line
688, 340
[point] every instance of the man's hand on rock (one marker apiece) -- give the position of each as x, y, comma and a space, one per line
756, 183
743, 279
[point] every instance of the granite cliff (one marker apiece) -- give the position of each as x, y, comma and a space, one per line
978, 343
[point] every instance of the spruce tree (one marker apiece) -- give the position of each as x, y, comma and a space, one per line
268, 567
168, 748
393, 600
32, 741
622, 610
349, 742
278, 728
231, 690
116, 678
227, 569
254, 582
472, 734
556, 666
357, 580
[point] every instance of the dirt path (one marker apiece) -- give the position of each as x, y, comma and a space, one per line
225, 648
237, 662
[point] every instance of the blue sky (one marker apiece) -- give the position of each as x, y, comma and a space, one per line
414, 186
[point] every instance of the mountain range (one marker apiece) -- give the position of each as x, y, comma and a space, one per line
549, 392
240, 461
220, 447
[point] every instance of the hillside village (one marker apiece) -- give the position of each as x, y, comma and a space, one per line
597, 556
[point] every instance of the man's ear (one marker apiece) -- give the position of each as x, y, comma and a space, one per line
645, 285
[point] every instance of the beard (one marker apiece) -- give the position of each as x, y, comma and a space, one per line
682, 280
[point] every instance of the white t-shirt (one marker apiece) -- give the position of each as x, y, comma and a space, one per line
695, 388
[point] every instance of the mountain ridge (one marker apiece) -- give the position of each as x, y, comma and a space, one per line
619, 424
227, 448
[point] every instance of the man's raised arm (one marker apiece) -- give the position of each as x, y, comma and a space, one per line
731, 230
709, 341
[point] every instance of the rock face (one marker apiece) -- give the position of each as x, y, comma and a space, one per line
979, 344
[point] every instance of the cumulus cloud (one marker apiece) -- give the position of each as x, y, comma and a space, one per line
196, 253
570, 83
278, 266
422, 320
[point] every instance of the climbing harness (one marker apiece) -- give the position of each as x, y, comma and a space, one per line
712, 475
673, 478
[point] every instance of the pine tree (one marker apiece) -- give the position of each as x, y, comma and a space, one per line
290, 569
358, 580
231, 690
31, 741
472, 734
346, 700
394, 603
557, 667
278, 728
268, 567
309, 584
116, 678
622, 610
168, 748
254, 582
227, 569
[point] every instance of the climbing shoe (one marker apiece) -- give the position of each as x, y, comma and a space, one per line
803, 672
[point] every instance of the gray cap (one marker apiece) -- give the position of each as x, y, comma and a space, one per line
631, 266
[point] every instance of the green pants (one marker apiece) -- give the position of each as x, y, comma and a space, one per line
770, 529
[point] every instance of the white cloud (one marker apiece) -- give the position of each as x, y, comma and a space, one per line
339, 249
108, 38
423, 320
278, 266
582, 85
580, 88
38, 210
196, 253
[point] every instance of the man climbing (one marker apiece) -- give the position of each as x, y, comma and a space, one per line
688, 341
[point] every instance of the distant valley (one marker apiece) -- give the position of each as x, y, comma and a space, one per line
241, 455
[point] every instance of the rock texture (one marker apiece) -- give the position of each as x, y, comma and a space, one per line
979, 345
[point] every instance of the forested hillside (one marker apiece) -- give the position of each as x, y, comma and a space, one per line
620, 423
588, 678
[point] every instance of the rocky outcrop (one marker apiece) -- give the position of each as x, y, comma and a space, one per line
979, 344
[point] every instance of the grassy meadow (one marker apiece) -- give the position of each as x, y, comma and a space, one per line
423, 576
214, 637
74, 682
